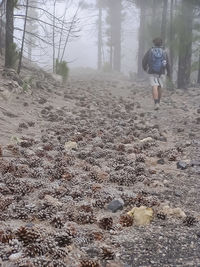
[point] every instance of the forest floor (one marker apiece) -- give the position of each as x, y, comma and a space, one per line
67, 152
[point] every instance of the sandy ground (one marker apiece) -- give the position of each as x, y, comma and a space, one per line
60, 194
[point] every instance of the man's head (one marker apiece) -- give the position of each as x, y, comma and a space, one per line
158, 42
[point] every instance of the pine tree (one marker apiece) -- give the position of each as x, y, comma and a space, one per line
164, 21
141, 42
185, 44
9, 34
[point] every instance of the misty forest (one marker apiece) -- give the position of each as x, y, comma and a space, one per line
99, 133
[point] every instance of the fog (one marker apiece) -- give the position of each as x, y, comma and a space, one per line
82, 51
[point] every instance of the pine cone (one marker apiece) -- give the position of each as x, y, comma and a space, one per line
99, 203
126, 220
34, 250
107, 254
89, 263
63, 239
161, 215
97, 236
106, 223
85, 218
189, 221
140, 158
57, 222
5, 237
27, 235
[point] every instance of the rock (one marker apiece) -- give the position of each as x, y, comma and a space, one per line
71, 145
141, 215
15, 257
195, 163
161, 161
198, 110
162, 138
114, 264
23, 125
177, 194
176, 212
115, 205
182, 165
198, 234
42, 101
1, 152
198, 120
148, 139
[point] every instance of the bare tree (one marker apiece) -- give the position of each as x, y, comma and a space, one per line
141, 42
185, 44
23, 38
164, 20
99, 3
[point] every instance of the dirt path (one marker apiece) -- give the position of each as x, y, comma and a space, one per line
122, 149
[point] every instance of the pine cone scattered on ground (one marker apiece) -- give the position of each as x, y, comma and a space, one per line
89, 263
58, 222
97, 236
34, 250
63, 239
85, 218
189, 221
107, 254
161, 215
27, 235
6, 236
106, 223
126, 220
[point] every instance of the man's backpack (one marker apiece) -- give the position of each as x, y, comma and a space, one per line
157, 60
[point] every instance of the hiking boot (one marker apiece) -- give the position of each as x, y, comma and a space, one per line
157, 106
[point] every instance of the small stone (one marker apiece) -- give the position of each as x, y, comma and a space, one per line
198, 110
15, 257
177, 194
148, 139
198, 120
161, 161
195, 163
162, 139
23, 125
115, 205
71, 146
182, 165
198, 234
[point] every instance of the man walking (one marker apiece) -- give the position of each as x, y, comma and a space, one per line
155, 62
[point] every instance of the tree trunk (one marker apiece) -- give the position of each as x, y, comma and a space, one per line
117, 22
171, 38
1, 31
9, 33
141, 44
164, 21
23, 38
185, 45
100, 38
111, 56
53, 41
198, 79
